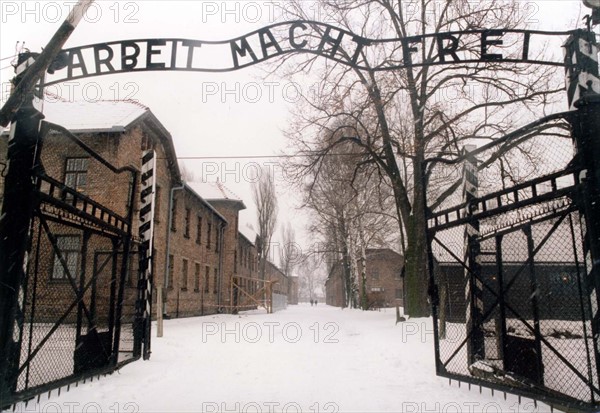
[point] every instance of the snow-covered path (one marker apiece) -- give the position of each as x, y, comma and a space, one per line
303, 359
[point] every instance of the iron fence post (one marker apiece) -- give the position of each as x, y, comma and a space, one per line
15, 221
586, 132
433, 289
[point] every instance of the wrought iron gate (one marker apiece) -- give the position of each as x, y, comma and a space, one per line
78, 302
509, 264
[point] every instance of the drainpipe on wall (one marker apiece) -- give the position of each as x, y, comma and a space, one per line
221, 248
159, 304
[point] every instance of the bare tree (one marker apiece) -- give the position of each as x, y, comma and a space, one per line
399, 119
289, 253
350, 214
311, 275
265, 198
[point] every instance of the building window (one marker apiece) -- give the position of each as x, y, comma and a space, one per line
70, 250
170, 273
207, 280
197, 278
76, 173
184, 275
174, 215
375, 274
215, 279
199, 230
209, 234
399, 293
188, 216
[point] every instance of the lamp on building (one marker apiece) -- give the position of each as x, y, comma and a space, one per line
595, 6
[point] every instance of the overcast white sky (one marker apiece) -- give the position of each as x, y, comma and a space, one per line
202, 124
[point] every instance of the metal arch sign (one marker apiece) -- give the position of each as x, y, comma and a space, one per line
300, 36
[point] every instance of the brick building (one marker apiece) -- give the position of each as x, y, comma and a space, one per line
246, 269
384, 282
198, 248
280, 285
229, 205
193, 274
293, 292
334, 287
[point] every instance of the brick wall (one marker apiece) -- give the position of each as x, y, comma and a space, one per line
274, 274
195, 249
230, 210
384, 284
54, 292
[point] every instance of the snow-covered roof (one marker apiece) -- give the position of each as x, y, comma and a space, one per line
247, 230
375, 251
107, 116
89, 117
208, 205
215, 191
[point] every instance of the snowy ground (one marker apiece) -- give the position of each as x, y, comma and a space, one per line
303, 359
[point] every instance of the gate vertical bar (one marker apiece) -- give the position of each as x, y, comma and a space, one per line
501, 319
473, 287
124, 266
534, 288
113, 293
80, 291
17, 212
433, 293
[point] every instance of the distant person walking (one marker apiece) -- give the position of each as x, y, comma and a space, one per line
316, 303
311, 302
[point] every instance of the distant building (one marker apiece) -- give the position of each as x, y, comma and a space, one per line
280, 285
334, 287
384, 285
